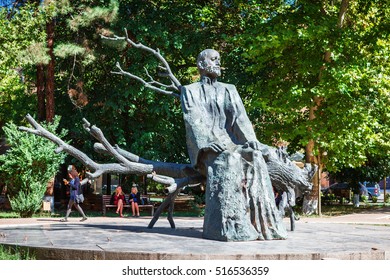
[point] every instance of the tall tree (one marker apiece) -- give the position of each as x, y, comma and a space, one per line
323, 80
50, 25
21, 37
144, 121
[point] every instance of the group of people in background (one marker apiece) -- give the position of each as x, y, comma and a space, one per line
118, 197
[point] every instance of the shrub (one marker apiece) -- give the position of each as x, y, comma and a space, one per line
28, 166
387, 198
198, 203
374, 199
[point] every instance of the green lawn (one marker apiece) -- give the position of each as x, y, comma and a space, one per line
345, 209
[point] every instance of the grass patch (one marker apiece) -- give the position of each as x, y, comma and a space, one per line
326, 210
345, 209
9, 253
14, 215
8, 215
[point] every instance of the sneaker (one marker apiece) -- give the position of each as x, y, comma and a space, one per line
83, 219
64, 220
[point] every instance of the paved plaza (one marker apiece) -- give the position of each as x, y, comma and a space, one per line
364, 236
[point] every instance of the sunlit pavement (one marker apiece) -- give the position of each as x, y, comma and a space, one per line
356, 236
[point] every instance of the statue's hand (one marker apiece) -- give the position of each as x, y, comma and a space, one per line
255, 145
215, 147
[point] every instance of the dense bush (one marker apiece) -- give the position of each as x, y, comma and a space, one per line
27, 167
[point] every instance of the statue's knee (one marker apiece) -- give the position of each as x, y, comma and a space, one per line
227, 159
232, 158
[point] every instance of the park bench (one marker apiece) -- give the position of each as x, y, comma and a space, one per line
106, 199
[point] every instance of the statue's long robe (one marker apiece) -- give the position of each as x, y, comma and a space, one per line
214, 115
240, 201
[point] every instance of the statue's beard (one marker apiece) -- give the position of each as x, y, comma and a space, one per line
215, 70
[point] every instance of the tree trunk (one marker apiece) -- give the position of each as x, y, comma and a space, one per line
311, 202
342, 13
41, 92
50, 73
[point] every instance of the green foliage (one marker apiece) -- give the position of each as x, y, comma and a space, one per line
273, 51
9, 253
159, 189
374, 169
29, 198
198, 204
157, 130
89, 13
301, 59
14, 102
28, 166
21, 37
65, 50
19, 31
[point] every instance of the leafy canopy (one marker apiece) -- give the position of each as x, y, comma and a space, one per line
301, 59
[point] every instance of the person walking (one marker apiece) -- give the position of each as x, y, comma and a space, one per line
75, 188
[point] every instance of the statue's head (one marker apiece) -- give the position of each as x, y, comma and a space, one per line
209, 63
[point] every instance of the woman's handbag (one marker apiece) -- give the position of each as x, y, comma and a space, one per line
80, 198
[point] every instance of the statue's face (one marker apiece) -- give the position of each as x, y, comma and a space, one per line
211, 65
